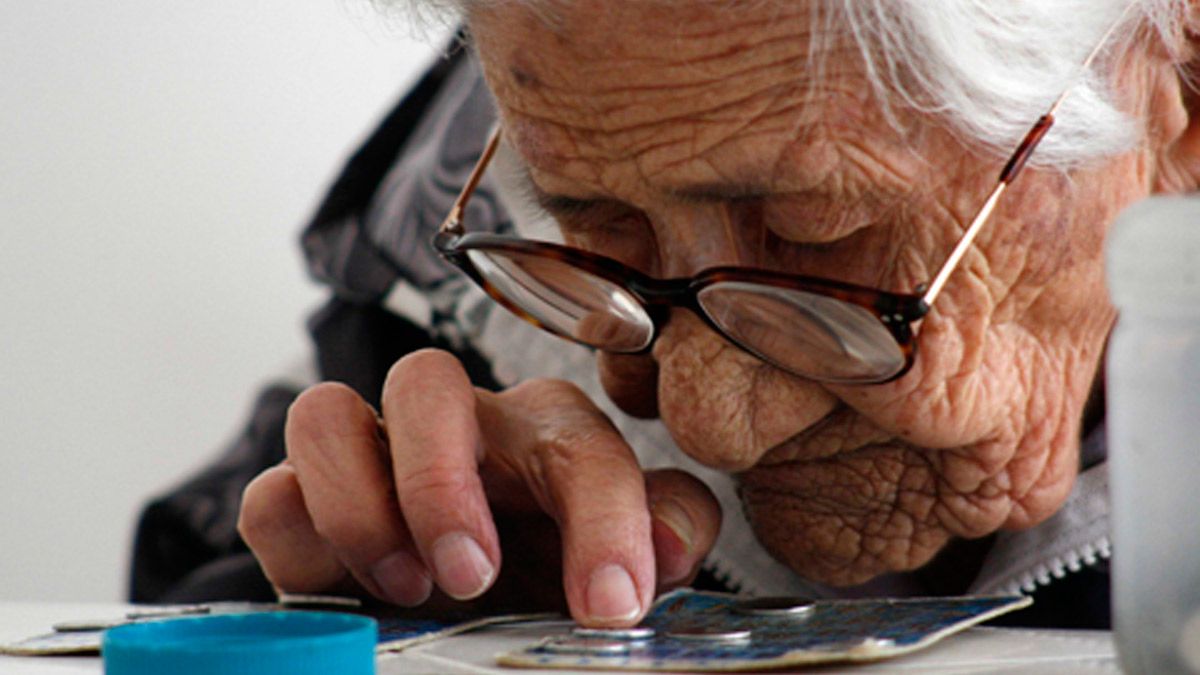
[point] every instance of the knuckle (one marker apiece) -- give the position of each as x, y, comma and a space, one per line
399, 371
427, 379
586, 440
565, 416
436, 484
343, 531
249, 525
253, 513
419, 366
572, 438
320, 410
329, 433
424, 358
363, 523
357, 527
320, 400
584, 471
547, 393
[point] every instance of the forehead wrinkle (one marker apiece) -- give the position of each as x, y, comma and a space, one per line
591, 127
611, 106
822, 157
587, 77
574, 125
610, 97
549, 142
797, 145
688, 30
774, 85
777, 115
841, 185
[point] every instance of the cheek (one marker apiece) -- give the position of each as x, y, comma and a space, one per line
1049, 241
1037, 236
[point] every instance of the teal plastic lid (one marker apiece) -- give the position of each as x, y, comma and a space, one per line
261, 643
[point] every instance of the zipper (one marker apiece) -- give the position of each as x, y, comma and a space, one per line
1058, 567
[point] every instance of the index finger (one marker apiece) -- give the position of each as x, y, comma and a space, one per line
584, 475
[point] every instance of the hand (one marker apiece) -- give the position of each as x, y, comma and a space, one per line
393, 505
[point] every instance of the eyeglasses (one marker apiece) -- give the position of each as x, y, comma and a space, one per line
820, 329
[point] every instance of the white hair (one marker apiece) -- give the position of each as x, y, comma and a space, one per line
989, 67
992, 67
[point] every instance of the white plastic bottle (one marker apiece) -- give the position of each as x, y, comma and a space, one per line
1153, 418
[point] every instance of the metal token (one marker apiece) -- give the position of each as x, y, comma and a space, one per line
702, 633
876, 643
88, 625
631, 634
855, 645
775, 606
312, 600
581, 645
167, 611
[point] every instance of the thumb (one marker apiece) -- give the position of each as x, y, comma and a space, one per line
685, 521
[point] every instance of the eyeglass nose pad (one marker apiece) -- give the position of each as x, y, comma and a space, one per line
660, 316
680, 321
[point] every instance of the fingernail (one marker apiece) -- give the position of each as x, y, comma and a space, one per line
612, 596
670, 513
403, 579
463, 569
673, 534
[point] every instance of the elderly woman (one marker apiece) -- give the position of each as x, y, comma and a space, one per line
760, 208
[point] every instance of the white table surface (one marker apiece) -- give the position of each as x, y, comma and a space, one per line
976, 651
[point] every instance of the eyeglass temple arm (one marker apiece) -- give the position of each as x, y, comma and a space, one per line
453, 221
1015, 163
1014, 166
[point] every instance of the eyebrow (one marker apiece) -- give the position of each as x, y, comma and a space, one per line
698, 193
710, 192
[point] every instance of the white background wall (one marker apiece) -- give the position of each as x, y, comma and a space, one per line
156, 162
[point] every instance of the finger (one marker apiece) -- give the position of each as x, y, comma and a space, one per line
333, 442
685, 522
590, 482
275, 524
429, 408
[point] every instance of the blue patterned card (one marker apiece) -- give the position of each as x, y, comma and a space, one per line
697, 631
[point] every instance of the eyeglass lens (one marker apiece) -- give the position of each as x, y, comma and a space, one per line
808, 334
567, 300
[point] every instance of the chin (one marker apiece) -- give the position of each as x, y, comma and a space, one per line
846, 519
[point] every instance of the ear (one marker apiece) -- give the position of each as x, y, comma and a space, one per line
1174, 117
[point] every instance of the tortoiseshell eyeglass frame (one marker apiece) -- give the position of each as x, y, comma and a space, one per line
898, 312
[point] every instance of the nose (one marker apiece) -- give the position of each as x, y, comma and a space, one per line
724, 407
694, 237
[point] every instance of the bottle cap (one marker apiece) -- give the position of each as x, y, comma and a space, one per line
260, 643
1154, 257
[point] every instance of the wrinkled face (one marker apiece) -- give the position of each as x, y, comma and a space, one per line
678, 136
